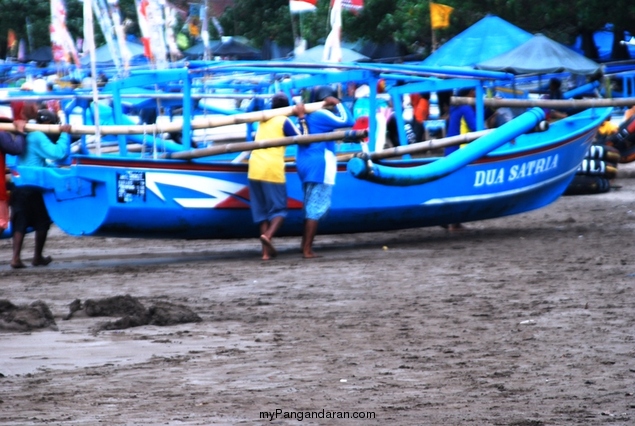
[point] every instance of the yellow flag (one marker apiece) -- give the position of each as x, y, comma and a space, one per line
440, 15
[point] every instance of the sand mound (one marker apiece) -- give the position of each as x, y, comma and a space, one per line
36, 316
133, 313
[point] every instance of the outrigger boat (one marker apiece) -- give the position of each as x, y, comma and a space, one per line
170, 190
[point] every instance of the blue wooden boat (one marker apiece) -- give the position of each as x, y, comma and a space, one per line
507, 171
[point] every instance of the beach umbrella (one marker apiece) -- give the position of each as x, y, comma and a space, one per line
540, 54
272, 50
197, 51
490, 37
41, 54
386, 50
314, 54
234, 47
103, 56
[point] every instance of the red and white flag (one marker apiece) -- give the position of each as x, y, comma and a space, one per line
332, 46
144, 26
61, 41
352, 5
299, 6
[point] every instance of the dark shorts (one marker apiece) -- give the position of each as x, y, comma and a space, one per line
268, 200
28, 210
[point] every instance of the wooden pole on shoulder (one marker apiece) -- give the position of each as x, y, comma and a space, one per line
352, 135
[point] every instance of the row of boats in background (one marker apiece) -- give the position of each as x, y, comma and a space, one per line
174, 175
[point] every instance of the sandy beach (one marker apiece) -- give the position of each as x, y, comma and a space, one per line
525, 320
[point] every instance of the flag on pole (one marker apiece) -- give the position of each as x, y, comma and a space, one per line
170, 38
144, 26
153, 14
113, 9
22, 50
299, 6
217, 25
204, 30
62, 43
100, 10
440, 15
11, 40
352, 5
193, 21
332, 46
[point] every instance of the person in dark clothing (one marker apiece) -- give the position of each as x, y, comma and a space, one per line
27, 203
555, 93
28, 210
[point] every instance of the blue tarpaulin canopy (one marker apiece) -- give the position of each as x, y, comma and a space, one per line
486, 39
541, 55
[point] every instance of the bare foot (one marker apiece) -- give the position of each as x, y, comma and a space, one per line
310, 255
42, 261
18, 265
270, 248
457, 227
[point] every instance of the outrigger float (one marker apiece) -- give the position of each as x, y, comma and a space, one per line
169, 190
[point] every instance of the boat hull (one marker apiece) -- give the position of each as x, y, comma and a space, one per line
104, 196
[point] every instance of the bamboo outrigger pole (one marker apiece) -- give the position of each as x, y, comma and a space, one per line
139, 129
349, 135
418, 147
429, 145
547, 103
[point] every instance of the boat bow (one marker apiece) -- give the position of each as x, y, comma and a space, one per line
364, 168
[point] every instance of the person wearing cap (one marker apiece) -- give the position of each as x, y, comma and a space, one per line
266, 173
317, 164
27, 203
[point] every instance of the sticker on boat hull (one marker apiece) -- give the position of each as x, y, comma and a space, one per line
131, 186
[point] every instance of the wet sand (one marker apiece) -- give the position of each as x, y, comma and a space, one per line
525, 320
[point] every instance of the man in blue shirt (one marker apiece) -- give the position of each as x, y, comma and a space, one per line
317, 164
